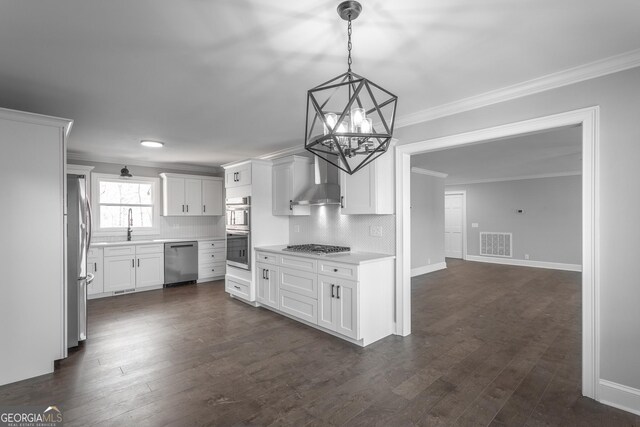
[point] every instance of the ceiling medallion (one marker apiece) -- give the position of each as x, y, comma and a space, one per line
349, 118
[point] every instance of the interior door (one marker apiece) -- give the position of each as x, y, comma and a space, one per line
453, 225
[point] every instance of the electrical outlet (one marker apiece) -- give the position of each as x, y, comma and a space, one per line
296, 228
526, 256
428, 261
375, 230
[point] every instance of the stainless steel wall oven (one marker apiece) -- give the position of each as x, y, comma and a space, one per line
238, 227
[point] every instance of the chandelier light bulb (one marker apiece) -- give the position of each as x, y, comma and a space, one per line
331, 120
366, 126
357, 117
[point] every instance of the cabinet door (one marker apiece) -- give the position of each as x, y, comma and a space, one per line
211, 197
193, 196
95, 267
358, 191
149, 270
326, 308
119, 273
174, 202
346, 308
237, 176
267, 280
282, 191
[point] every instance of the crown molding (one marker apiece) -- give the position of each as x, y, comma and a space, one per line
592, 70
41, 119
297, 149
71, 155
516, 178
429, 172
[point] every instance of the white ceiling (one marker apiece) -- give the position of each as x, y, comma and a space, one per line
225, 80
554, 152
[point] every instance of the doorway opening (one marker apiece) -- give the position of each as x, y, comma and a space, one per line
588, 120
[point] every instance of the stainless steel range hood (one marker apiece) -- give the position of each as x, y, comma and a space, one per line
326, 190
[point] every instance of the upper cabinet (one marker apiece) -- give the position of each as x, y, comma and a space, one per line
371, 189
190, 195
291, 177
238, 176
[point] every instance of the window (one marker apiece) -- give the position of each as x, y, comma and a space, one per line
114, 197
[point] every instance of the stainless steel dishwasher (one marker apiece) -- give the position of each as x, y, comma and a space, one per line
180, 262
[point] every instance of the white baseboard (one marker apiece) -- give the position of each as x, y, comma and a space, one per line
526, 263
619, 396
428, 269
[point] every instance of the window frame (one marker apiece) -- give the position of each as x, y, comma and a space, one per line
96, 178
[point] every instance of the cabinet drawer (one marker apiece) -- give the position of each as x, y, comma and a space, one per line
213, 270
94, 253
150, 249
237, 288
212, 244
299, 282
343, 271
300, 263
120, 250
212, 256
299, 306
267, 258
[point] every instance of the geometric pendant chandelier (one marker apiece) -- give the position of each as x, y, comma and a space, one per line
349, 118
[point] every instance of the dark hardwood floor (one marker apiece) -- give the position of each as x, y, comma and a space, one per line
491, 345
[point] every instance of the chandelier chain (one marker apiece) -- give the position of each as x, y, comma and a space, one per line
349, 44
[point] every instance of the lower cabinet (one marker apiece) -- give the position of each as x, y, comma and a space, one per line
238, 287
212, 260
268, 285
338, 305
127, 268
352, 301
95, 266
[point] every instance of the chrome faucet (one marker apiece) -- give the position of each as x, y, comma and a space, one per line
130, 221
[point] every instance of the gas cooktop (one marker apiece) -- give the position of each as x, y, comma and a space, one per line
314, 248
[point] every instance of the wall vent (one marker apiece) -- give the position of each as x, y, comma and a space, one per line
496, 244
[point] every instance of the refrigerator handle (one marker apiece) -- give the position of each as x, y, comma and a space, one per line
89, 225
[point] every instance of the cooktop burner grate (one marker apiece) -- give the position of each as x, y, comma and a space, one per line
314, 248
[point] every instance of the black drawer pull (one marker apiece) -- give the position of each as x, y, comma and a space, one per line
237, 287
332, 295
335, 270
338, 292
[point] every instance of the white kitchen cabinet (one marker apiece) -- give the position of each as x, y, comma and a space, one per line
338, 305
212, 197
129, 267
149, 270
119, 273
371, 189
191, 195
95, 266
268, 286
292, 175
238, 176
212, 259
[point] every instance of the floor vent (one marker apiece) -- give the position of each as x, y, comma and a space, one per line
496, 244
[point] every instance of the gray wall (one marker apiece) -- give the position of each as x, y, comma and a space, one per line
427, 220
618, 96
113, 168
548, 230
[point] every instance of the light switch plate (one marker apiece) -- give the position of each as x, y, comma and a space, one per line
375, 231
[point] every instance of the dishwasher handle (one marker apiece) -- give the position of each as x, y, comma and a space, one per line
181, 246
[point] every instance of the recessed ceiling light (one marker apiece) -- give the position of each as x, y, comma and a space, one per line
152, 144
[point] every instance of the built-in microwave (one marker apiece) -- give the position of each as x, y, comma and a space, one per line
239, 213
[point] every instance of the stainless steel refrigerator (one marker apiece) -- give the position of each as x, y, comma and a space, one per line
78, 241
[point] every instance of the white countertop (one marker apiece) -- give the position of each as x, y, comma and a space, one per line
148, 242
345, 257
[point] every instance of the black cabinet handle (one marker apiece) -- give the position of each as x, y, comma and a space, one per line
332, 295
138, 262
133, 263
338, 291
267, 274
95, 267
213, 269
237, 287
204, 208
187, 208
182, 208
290, 205
213, 256
213, 244
342, 201
263, 274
